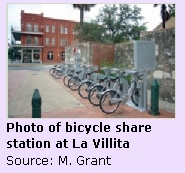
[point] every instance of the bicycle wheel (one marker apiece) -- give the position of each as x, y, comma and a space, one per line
135, 95
57, 74
95, 94
109, 101
74, 83
83, 89
52, 71
66, 78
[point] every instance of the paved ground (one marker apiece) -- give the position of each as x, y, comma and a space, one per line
58, 101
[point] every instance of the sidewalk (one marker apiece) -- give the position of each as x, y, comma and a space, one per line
58, 101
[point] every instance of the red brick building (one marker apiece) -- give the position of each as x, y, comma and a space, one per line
43, 39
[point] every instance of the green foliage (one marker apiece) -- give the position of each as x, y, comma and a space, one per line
121, 23
115, 24
91, 32
111, 64
105, 63
13, 53
172, 9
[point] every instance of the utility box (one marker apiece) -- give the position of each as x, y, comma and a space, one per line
144, 55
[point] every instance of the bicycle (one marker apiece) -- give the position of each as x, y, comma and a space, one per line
103, 84
111, 99
69, 73
59, 71
75, 80
86, 84
53, 70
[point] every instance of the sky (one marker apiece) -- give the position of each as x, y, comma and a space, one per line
66, 11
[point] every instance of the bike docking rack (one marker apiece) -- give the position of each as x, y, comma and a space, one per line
89, 81
102, 83
87, 72
82, 75
136, 95
120, 84
144, 61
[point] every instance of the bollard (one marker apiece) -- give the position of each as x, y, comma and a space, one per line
154, 110
36, 104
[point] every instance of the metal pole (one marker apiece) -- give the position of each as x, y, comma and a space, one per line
154, 110
36, 104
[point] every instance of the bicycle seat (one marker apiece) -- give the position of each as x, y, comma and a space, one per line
113, 79
102, 79
90, 72
77, 72
72, 70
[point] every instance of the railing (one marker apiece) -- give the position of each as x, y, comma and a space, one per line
26, 45
26, 29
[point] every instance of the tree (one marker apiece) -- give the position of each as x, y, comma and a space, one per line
13, 53
120, 22
82, 8
91, 31
166, 14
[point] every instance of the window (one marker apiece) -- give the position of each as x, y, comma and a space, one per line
50, 55
36, 28
63, 30
47, 28
28, 41
36, 56
35, 40
53, 41
63, 42
29, 27
47, 40
53, 28
63, 55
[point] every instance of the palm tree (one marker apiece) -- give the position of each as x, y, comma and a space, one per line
82, 8
165, 15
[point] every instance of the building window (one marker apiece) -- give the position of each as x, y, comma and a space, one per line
36, 56
64, 30
63, 42
63, 55
35, 40
47, 28
47, 40
36, 28
53, 41
28, 41
53, 28
50, 55
29, 27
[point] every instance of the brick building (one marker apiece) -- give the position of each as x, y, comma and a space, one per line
42, 39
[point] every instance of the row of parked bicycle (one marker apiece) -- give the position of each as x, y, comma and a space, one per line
106, 90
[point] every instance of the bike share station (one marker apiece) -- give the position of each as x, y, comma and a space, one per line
144, 61
134, 95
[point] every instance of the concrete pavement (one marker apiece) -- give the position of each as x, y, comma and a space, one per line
53, 96
58, 101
